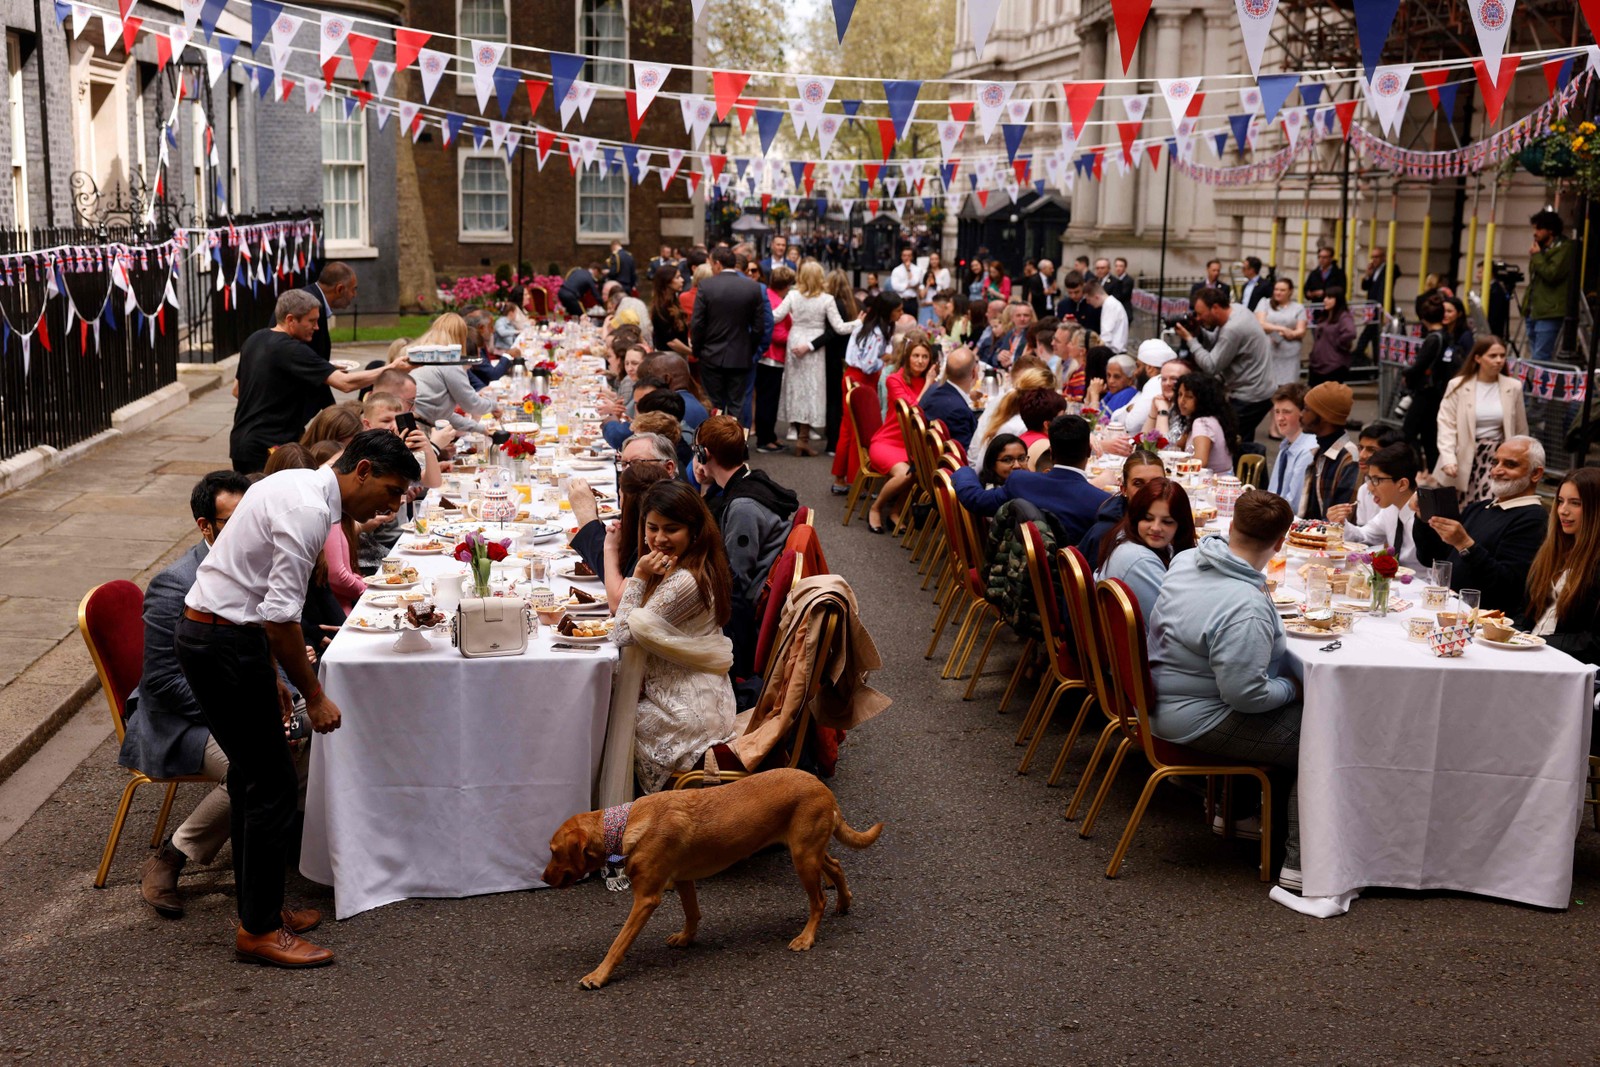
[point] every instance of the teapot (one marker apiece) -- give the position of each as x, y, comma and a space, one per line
498, 503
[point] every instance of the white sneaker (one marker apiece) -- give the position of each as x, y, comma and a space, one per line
1289, 878
1248, 829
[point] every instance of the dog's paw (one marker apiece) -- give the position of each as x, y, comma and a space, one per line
681, 939
593, 980
802, 943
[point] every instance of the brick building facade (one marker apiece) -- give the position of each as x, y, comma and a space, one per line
483, 209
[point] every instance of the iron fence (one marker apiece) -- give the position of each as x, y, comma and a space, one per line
218, 317
74, 346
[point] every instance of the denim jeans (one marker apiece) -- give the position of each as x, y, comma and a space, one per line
1543, 336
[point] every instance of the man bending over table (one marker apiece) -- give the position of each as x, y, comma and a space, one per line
1492, 547
1217, 650
241, 616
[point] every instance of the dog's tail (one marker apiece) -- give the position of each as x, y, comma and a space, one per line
855, 838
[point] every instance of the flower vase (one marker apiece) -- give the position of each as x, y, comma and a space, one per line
520, 470
480, 577
1379, 605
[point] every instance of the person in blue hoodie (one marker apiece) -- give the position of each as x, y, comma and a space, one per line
1218, 655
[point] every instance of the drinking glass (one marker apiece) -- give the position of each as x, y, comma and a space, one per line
1441, 574
1470, 599
1319, 594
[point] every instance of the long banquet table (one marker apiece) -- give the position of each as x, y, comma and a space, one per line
1424, 773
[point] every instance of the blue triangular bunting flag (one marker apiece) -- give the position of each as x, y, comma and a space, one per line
452, 125
902, 98
349, 107
611, 163
506, 83
62, 11
1241, 130
798, 169
740, 165
1275, 89
1311, 93
947, 173
1447, 98
1014, 133
842, 10
227, 47
263, 13
479, 135
850, 107
767, 122
630, 159
1373, 20
1221, 140
209, 13
564, 70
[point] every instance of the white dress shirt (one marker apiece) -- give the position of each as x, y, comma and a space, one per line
259, 567
1393, 527
1133, 415
1114, 325
904, 280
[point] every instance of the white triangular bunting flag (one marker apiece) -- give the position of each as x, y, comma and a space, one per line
1179, 94
814, 91
485, 58
1492, 20
1385, 91
213, 65
383, 112
408, 115
991, 101
191, 14
497, 133
1250, 100
647, 81
1136, 107
513, 142
314, 90
949, 135
827, 130
82, 15
335, 28
798, 117
431, 64
980, 20
1017, 110
1255, 24
1294, 121
586, 95
686, 103
382, 73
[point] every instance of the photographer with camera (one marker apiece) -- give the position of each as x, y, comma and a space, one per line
1238, 352
1550, 267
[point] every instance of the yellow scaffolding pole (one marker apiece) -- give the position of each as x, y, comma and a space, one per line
1583, 260
1372, 229
1388, 273
1354, 236
1422, 260
1305, 239
1338, 237
1488, 263
1272, 253
1472, 252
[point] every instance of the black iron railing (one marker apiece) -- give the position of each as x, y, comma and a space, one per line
73, 347
216, 320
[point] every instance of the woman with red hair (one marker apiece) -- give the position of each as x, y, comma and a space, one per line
1156, 527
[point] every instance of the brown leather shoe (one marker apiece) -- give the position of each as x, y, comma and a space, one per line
302, 920
158, 881
281, 948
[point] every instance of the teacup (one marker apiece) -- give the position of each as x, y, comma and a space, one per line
1344, 619
1435, 597
391, 565
1417, 628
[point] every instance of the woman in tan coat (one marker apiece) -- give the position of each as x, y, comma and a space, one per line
1481, 410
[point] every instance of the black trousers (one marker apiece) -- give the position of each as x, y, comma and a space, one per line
1250, 413
725, 387
769, 390
834, 372
229, 668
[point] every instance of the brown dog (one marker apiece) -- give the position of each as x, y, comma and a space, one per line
676, 838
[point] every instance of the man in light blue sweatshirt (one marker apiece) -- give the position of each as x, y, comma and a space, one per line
1217, 653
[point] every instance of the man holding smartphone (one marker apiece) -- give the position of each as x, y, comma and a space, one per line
240, 619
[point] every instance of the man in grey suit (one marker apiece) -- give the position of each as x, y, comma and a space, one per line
166, 735
730, 328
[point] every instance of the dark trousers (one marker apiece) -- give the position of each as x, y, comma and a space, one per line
769, 390
1250, 413
834, 372
569, 303
229, 668
725, 387
909, 305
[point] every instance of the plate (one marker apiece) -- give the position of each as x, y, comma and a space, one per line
587, 464
566, 573
393, 601
376, 623
599, 607
545, 531
424, 548
607, 512
564, 639
1306, 630
1519, 643
378, 581
350, 365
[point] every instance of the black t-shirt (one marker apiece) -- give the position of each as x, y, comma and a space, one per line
282, 384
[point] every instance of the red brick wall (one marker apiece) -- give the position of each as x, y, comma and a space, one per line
544, 204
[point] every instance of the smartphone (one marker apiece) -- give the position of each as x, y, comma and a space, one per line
405, 422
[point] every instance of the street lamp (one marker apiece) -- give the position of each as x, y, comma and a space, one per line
718, 141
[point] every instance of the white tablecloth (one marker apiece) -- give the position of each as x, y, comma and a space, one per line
1423, 773
449, 775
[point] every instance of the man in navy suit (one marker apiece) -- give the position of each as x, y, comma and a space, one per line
166, 734
335, 289
950, 401
1064, 490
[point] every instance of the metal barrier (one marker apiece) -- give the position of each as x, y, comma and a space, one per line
218, 317
74, 345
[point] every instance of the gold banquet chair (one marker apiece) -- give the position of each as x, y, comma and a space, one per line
1252, 470
111, 620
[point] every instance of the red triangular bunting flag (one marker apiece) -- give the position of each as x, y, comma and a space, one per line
1130, 16
766, 201
125, 6
1494, 91
1129, 131
870, 172
1552, 71
886, 136
130, 32
961, 110
1433, 79
717, 163
1591, 15
329, 69
1020, 168
288, 87
1154, 151
727, 85
44, 334
1099, 163
746, 111
872, 206
1346, 110
634, 118
983, 198
407, 43
163, 52
1080, 101
536, 91
694, 181
545, 139
1195, 102
363, 98
361, 49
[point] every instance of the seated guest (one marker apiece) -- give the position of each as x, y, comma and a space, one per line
754, 514
915, 371
616, 431
1373, 436
1158, 525
491, 365
1138, 415
339, 423
665, 402
1493, 546
1213, 428
672, 611
950, 401
166, 734
1217, 654
1564, 581
1000, 415
1121, 385
380, 412
1037, 407
1392, 474
639, 462
1064, 491
512, 318
1289, 470
1140, 469
441, 390
675, 369
1335, 464
1006, 454
399, 383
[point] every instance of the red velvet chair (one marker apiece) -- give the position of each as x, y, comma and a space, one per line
861, 408
786, 570
111, 620
806, 543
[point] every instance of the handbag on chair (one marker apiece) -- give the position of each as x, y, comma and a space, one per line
491, 626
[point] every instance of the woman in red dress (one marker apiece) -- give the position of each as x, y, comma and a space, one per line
913, 372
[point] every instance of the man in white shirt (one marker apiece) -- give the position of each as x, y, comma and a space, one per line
937, 279
1289, 470
1134, 416
1392, 474
905, 280
1113, 319
240, 619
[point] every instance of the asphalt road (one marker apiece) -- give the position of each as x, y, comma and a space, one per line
983, 932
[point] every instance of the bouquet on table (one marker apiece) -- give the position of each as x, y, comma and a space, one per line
1150, 442
533, 405
519, 446
479, 553
1382, 568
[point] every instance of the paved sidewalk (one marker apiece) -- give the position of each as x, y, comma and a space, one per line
120, 512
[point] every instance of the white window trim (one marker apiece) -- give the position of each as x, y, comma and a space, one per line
362, 249
464, 84
627, 47
577, 207
483, 237
17, 119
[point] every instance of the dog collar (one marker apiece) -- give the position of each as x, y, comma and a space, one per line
615, 821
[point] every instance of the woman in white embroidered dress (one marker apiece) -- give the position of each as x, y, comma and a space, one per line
672, 611
805, 383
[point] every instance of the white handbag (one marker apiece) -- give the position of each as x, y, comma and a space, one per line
491, 626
